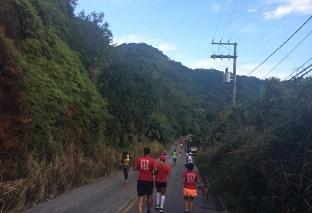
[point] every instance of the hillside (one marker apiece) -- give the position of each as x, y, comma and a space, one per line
263, 150
172, 90
70, 101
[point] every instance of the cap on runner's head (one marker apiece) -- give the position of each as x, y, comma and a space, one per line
163, 153
190, 153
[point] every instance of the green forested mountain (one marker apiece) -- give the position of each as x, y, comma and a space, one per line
165, 94
70, 100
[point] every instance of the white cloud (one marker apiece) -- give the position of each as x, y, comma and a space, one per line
289, 7
216, 7
252, 10
155, 42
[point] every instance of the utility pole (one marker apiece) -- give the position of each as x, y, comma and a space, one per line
234, 64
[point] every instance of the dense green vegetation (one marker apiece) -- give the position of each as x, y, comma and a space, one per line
72, 100
145, 85
263, 151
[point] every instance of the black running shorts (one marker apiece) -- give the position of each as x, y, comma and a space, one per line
160, 185
145, 187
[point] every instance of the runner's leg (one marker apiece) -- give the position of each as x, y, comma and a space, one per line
191, 204
149, 202
163, 197
126, 172
186, 203
140, 204
141, 193
158, 195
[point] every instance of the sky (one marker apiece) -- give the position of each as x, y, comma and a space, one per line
184, 30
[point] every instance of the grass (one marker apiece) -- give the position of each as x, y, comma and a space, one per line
46, 179
69, 169
64, 145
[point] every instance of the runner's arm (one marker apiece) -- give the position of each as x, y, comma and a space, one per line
198, 180
135, 165
155, 169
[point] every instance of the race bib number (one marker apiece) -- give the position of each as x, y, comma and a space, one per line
190, 178
144, 164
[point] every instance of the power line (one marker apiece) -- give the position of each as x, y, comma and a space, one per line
281, 45
217, 24
296, 69
291, 60
299, 73
307, 72
238, 19
288, 54
229, 19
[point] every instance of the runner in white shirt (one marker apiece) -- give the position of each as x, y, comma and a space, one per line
189, 158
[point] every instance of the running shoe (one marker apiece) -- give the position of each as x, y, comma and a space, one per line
157, 207
161, 210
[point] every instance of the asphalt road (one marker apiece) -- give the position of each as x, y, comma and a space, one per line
106, 195
109, 195
174, 199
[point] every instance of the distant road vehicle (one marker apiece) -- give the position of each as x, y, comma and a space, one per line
193, 150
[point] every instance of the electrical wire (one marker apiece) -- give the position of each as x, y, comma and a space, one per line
217, 24
229, 18
238, 19
281, 45
288, 54
307, 72
299, 73
296, 69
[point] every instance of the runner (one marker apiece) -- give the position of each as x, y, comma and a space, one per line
125, 161
190, 179
189, 158
174, 157
146, 166
161, 183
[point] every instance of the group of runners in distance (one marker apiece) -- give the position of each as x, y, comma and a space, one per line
152, 172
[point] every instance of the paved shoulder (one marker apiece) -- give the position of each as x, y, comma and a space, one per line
106, 195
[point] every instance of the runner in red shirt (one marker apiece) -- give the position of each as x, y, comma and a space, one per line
161, 183
190, 179
146, 166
